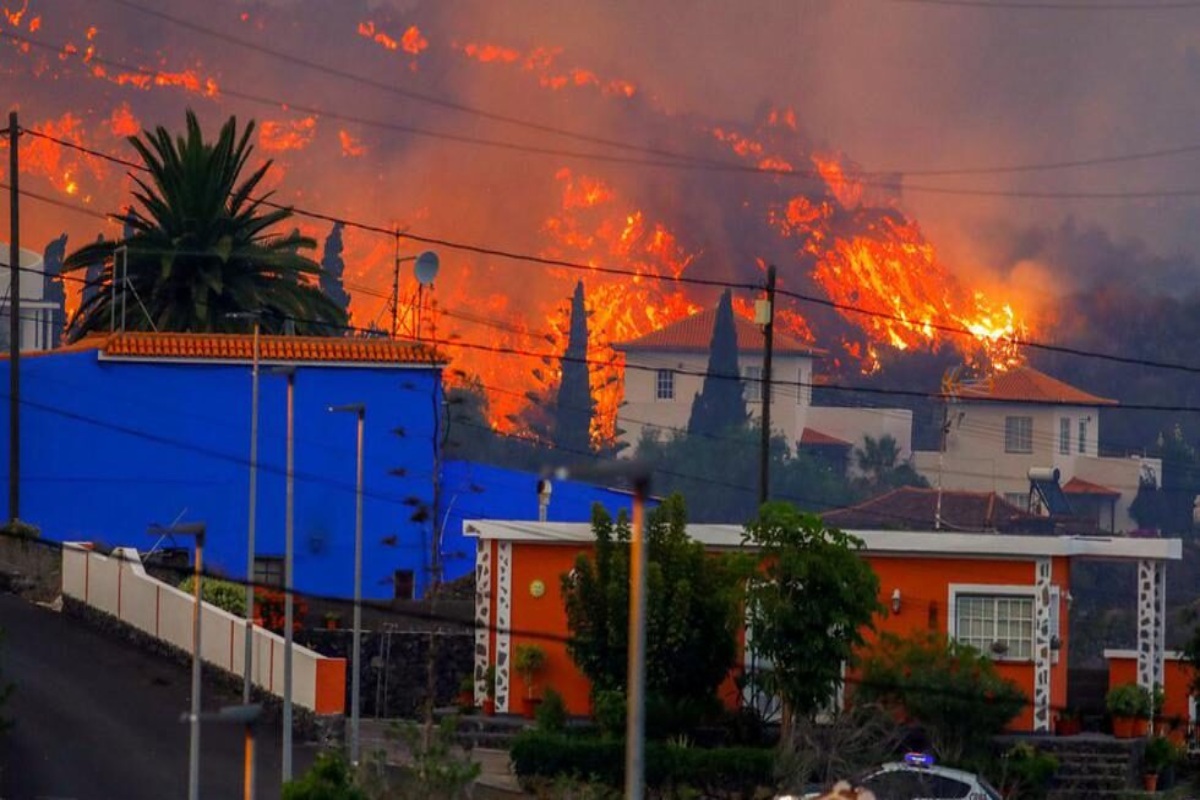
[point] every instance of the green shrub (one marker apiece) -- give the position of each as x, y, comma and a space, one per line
716, 771
551, 715
329, 778
1160, 754
223, 594
1129, 700
608, 706
20, 529
1024, 772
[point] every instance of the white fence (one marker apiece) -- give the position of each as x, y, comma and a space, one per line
118, 585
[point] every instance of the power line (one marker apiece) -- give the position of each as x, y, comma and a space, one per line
1041, 5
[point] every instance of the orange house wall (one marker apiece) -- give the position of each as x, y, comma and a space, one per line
1177, 682
923, 581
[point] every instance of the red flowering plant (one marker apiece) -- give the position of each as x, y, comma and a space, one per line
270, 611
950, 689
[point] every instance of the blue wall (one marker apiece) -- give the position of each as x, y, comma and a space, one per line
110, 448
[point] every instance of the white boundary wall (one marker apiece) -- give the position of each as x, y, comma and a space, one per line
118, 585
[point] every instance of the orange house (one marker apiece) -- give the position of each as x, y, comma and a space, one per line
1009, 595
1179, 704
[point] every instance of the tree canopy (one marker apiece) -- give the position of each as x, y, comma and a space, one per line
198, 246
574, 404
720, 404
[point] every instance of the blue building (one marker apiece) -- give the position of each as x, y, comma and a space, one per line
123, 432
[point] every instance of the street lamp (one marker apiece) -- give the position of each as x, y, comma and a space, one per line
288, 559
245, 715
360, 411
638, 474
196, 529
248, 666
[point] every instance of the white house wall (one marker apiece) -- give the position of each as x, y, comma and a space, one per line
853, 425
791, 376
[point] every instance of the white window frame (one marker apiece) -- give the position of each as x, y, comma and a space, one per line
995, 591
1018, 499
1014, 442
1083, 435
664, 384
1064, 436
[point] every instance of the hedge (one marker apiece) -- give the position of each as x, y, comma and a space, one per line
723, 771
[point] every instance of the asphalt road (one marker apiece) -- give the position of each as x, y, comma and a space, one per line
97, 719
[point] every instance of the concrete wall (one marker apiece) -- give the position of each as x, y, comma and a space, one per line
118, 585
853, 425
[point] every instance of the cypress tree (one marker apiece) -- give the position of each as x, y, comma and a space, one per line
720, 404
574, 406
332, 268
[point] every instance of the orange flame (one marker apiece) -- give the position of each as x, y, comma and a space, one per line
367, 29
276, 136
540, 61
351, 147
412, 41
122, 123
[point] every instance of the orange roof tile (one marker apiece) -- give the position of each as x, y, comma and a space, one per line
915, 508
815, 438
1080, 486
1027, 385
240, 347
695, 333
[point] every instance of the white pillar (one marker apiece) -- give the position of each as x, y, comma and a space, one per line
1041, 644
483, 616
503, 624
1151, 622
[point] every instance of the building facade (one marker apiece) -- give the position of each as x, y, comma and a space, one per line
1007, 595
41, 318
999, 429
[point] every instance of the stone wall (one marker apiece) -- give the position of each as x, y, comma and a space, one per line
394, 667
31, 568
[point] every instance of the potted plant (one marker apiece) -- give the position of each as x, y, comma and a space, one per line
489, 680
466, 694
333, 620
1069, 723
1160, 754
529, 662
1130, 706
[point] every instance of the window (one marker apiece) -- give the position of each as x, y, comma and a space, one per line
1018, 434
1064, 436
664, 385
752, 384
268, 571
1018, 499
404, 583
905, 784
1083, 435
997, 625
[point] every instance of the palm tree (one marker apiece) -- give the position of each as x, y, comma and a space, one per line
198, 247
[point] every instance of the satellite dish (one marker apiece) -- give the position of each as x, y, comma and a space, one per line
427, 267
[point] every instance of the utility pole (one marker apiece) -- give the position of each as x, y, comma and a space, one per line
14, 322
766, 318
396, 291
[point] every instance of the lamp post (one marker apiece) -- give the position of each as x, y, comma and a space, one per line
637, 474
248, 666
197, 530
245, 715
288, 565
360, 411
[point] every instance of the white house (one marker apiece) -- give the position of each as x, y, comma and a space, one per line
664, 371
40, 318
999, 428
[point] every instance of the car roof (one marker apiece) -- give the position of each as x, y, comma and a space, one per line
947, 772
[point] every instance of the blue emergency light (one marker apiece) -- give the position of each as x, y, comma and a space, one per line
918, 759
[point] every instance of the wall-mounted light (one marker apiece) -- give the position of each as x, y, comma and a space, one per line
895, 601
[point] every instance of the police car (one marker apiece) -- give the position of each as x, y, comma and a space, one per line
917, 778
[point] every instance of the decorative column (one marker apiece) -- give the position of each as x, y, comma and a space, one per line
1151, 622
503, 623
1041, 645
483, 616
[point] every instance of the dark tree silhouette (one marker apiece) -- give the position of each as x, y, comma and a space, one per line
332, 268
574, 406
720, 405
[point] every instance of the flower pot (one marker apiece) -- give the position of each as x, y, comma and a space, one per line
331, 624
1141, 726
1068, 727
489, 707
530, 706
466, 700
1150, 781
1123, 727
